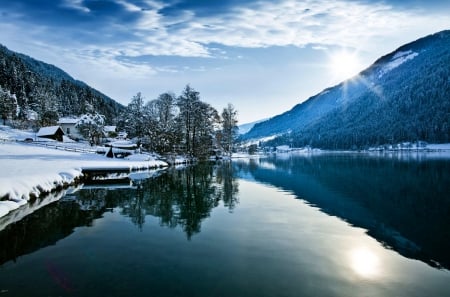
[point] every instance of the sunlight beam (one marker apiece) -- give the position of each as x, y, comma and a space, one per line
344, 65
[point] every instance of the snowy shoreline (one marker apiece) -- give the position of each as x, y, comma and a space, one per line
29, 172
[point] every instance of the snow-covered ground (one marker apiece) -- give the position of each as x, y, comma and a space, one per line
27, 169
30, 170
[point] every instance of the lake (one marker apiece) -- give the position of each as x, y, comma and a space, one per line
285, 225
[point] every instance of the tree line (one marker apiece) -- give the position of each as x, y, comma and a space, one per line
181, 124
32, 93
408, 103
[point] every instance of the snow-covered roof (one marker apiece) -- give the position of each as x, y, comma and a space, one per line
48, 131
68, 120
123, 144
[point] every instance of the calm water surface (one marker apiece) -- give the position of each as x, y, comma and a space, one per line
321, 225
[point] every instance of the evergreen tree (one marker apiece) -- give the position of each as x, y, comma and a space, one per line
49, 118
8, 105
39, 87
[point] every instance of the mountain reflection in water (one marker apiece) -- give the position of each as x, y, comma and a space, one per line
269, 227
403, 203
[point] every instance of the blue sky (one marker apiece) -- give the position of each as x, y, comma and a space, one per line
262, 56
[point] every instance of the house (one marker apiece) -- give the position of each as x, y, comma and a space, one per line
68, 125
283, 149
52, 132
110, 131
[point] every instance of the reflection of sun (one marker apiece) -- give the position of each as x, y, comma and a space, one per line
344, 65
365, 263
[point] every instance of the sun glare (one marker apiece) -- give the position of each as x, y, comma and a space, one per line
365, 263
344, 65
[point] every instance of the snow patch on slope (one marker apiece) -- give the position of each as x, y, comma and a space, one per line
397, 60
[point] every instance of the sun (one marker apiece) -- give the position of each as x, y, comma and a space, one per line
344, 65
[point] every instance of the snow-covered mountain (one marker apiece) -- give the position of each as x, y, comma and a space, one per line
403, 96
244, 128
35, 87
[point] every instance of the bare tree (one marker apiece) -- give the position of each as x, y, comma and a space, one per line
229, 128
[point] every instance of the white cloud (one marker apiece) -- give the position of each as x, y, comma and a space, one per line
297, 23
282, 23
111, 61
76, 4
129, 6
261, 24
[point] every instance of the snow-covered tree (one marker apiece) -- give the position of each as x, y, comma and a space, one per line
8, 105
197, 121
91, 127
229, 128
206, 118
132, 119
161, 122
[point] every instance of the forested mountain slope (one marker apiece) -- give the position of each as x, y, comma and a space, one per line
38, 87
403, 96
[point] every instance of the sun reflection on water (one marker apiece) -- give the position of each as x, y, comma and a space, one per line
365, 262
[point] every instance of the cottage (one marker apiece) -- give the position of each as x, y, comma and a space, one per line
68, 125
52, 132
110, 131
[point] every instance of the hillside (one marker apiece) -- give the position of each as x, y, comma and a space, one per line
403, 96
36, 88
244, 128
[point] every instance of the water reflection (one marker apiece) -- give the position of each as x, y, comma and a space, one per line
365, 262
403, 203
44, 227
178, 198
196, 232
185, 198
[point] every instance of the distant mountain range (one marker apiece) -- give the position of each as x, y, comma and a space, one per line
244, 128
40, 87
403, 96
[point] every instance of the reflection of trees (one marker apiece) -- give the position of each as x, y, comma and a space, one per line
186, 197
404, 205
229, 185
179, 198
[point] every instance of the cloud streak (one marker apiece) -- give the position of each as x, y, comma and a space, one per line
128, 41
141, 28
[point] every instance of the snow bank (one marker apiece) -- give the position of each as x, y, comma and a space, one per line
29, 170
8, 133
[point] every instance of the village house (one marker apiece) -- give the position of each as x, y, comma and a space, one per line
68, 125
110, 131
52, 132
